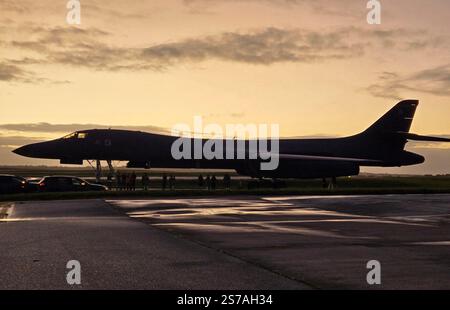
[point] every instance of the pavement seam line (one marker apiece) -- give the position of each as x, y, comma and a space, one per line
186, 238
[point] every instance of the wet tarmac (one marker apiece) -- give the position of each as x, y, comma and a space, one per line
229, 243
324, 242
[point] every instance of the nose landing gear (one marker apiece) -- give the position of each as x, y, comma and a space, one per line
98, 169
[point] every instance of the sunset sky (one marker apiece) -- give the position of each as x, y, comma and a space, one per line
315, 67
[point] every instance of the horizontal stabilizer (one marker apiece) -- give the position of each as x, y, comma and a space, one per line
415, 137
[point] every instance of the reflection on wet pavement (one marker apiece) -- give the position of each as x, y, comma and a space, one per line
298, 235
279, 214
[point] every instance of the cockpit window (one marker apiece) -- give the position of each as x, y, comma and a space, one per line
70, 136
76, 135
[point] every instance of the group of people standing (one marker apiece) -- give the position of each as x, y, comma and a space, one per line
211, 182
168, 181
128, 181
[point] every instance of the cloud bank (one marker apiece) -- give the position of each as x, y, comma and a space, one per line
86, 48
434, 81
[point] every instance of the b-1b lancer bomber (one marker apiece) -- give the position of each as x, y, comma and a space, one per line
382, 145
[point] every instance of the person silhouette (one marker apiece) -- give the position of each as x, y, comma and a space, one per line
118, 181
133, 181
201, 181
208, 182
172, 182
145, 181
164, 181
213, 182
227, 181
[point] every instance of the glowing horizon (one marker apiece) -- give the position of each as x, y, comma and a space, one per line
314, 68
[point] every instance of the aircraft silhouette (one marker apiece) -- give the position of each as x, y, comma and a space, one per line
382, 144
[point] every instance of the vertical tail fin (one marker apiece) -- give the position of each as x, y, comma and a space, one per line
386, 137
396, 120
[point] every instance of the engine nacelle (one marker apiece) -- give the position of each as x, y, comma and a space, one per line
301, 169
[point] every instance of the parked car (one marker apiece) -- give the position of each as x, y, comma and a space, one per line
66, 184
11, 184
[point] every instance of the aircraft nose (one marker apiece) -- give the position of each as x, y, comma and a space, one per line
23, 151
47, 149
35, 150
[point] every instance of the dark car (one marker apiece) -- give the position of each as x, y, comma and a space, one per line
66, 184
11, 184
